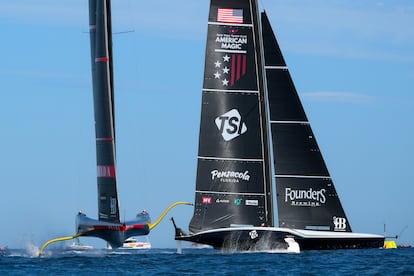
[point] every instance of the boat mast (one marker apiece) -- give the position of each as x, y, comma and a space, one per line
263, 114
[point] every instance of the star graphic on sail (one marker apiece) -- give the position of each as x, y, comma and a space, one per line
230, 68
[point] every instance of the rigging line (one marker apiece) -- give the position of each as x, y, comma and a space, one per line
151, 226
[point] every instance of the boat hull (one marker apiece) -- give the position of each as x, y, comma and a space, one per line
271, 238
114, 233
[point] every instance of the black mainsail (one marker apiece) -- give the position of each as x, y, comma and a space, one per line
109, 226
245, 79
306, 196
232, 178
103, 94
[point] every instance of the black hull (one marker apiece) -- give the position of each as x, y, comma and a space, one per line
270, 238
113, 233
239, 239
339, 243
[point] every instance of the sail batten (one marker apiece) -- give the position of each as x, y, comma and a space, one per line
290, 122
302, 176
231, 159
232, 91
230, 193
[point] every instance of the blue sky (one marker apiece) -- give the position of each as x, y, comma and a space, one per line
352, 63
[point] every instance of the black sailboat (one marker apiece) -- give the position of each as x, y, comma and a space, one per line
246, 80
108, 226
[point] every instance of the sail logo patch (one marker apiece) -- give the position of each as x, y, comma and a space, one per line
226, 15
305, 198
231, 68
113, 206
231, 125
339, 223
230, 176
206, 200
238, 201
219, 200
252, 202
253, 234
107, 171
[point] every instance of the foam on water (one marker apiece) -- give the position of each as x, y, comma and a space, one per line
31, 249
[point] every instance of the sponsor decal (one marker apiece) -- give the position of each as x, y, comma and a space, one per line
231, 41
306, 198
227, 15
231, 67
339, 223
238, 201
230, 176
206, 200
103, 216
218, 200
231, 125
253, 234
252, 202
107, 171
231, 63
113, 206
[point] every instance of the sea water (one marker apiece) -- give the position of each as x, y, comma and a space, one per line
208, 262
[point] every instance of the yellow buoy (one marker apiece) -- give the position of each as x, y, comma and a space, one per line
389, 244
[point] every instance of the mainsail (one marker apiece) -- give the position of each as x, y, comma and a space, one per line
103, 96
233, 184
306, 196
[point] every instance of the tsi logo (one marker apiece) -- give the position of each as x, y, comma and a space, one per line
231, 125
340, 224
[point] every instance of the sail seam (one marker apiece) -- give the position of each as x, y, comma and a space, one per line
227, 91
230, 51
229, 24
301, 176
229, 193
230, 159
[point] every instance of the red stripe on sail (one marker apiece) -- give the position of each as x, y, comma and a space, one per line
244, 65
233, 68
105, 139
107, 171
238, 66
102, 59
92, 27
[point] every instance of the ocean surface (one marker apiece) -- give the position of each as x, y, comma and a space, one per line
208, 262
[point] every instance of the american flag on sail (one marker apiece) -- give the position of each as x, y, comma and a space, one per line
230, 15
